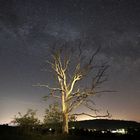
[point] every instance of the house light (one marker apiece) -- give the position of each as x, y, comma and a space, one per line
119, 131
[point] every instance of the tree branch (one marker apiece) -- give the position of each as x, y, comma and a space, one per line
50, 88
52, 95
94, 116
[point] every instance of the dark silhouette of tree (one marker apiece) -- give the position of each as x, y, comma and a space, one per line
70, 71
28, 119
53, 114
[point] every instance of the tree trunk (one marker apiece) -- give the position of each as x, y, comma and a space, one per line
65, 129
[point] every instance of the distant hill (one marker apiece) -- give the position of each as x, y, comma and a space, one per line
105, 124
99, 124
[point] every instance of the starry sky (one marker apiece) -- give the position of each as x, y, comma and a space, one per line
28, 28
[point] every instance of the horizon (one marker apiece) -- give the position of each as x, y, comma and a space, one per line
107, 119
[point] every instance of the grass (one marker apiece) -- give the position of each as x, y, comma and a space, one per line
61, 137
10, 133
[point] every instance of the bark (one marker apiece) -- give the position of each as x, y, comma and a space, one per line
65, 129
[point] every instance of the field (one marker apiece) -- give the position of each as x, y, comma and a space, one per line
62, 137
20, 133
16, 134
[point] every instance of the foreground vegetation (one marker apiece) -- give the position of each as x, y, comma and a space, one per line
17, 133
65, 137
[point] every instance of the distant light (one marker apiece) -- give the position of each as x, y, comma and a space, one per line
50, 129
90, 130
73, 127
103, 132
120, 131
113, 131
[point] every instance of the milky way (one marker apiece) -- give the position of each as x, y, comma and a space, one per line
28, 28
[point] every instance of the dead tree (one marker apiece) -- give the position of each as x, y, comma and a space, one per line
70, 95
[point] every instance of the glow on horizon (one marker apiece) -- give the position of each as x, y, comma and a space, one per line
16, 106
7, 119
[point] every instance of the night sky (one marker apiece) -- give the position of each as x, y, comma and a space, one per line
28, 28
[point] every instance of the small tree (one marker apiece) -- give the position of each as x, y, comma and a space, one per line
29, 119
53, 116
69, 74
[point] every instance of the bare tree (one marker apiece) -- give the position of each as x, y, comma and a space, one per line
69, 76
